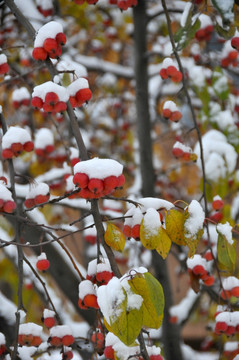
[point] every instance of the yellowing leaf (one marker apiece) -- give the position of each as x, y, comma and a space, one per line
114, 237
151, 291
125, 323
226, 254
164, 243
150, 229
174, 223
192, 242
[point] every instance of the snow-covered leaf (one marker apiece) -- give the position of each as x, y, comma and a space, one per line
114, 237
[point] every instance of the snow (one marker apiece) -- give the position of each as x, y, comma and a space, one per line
48, 314
179, 145
197, 259
5, 194
157, 204
76, 85
109, 298
134, 301
226, 230
231, 346
230, 282
30, 329
2, 339
152, 222
99, 168
13, 135
195, 220
3, 59
104, 266
167, 62
86, 287
37, 189
170, 105
197, 76
45, 4
49, 30
220, 157
42, 256
20, 94
43, 138
153, 350
205, 20
66, 64
60, 331
49, 86
226, 8
136, 218
7, 310
26, 352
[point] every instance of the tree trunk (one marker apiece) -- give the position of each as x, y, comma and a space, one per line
171, 335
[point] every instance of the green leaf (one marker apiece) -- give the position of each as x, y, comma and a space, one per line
164, 244
174, 223
151, 291
226, 254
114, 237
185, 34
225, 32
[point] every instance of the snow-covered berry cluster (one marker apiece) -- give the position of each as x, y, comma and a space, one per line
50, 97
30, 334
170, 70
229, 56
49, 41
98, 177
230, 287
48, 318
15, 141
87, 295
45, 7
99, 273
44, 143
20, 97
4, 67
198, 267
183, 152
217, 205
37, 194
7, 204
227, 323
171, 112
61, 335
79, 92
135, 215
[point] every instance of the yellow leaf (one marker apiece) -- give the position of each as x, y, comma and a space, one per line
150, 230
114, 237
164, 243
192, 242
174, 223
151, 291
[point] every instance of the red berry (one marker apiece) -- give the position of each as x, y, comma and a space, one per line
61, 38
90, 300
178, 77
167, 113
9, 206
127, 230
68, 355
3, 349
235, 42
50, 45
43, 264
121, 179
81, 180
60, 106
7, 154
29, 203
82, 305
199, 270
68, 340
98, 339
17, 148
51, 98
235, 291
225, 294
4, 68
217, 216
209, 281
208, 255
28, 146
217, 204
171, 70
73, 101
163, 73
175, 116
177, 152
49, 322
39, 53
135, 231
91, 239
110, 183
37, 102
220, 327
36, 341
155, 357
104, 277
96, 186
83, 95
109, 352
40, 199
55, 341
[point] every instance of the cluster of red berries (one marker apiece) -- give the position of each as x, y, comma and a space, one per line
4, 67
87, 295
230, 59
204, 34
197, 269
49, 46
42, 263
169, 70
15, 141
7, 204
231, 349
99, 273
98, 340
79, 92
50, 97
124, 4
86, 177
217, 205
61, 335
20, 97
133, 218
37, 195
171, 112
183, 152
227, 323
29, 334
